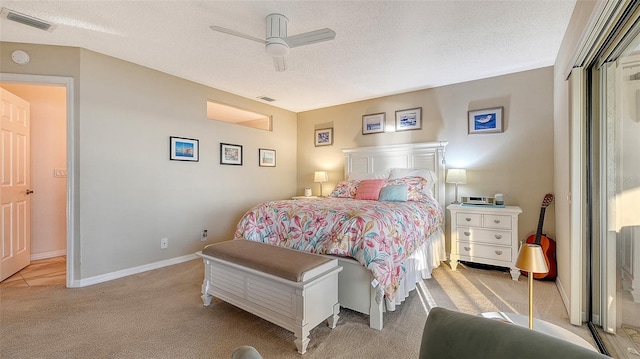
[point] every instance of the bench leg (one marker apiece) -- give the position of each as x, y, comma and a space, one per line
206, 297
302, 338
332, 321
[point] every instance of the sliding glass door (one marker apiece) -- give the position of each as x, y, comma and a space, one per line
615, 185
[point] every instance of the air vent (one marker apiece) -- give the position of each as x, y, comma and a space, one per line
26, 20
265, 98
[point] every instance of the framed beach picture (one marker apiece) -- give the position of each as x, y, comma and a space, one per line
373, 123
485, 121
410, 119
183, 149
230, 154
266, 157
324, 137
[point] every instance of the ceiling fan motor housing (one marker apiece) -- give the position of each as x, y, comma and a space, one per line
276, 33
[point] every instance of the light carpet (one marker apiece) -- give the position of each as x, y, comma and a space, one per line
159, 314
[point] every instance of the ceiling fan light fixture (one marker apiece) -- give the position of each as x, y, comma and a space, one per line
277, 42
276, 47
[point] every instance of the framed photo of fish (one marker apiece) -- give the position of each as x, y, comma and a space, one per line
485, 121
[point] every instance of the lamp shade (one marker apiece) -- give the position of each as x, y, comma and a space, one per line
457, 175
320, 176
531, 259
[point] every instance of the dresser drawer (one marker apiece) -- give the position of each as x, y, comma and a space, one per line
469, 219
476, 250
488, 236
496, 221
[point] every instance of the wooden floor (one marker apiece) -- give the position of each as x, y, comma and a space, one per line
40, 273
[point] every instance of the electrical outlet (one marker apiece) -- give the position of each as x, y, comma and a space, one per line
164, 243
203, 235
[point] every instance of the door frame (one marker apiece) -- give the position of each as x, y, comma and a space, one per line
72, 214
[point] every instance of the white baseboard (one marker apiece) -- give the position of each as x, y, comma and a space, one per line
51, 254
563, 294
130, 271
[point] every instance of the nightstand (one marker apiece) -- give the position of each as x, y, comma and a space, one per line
484, 234
304, 197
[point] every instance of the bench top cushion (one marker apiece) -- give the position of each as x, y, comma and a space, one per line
282, 262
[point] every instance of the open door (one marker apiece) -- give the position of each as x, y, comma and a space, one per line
15, 210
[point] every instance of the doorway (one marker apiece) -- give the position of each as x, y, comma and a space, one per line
47, 166
60, 173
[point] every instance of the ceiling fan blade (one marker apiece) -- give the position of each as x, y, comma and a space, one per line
236, 33
280, 63
311, 37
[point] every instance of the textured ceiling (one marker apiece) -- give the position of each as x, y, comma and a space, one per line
381, 47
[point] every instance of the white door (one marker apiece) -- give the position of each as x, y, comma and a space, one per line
15, 241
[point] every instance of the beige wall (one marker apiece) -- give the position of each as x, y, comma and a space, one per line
517, 163
128, 193
48, 153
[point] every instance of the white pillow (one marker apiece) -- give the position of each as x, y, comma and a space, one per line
354, 176
429, 175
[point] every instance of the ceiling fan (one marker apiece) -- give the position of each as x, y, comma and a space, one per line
277, 43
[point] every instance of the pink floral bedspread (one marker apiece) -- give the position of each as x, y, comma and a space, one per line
379, 235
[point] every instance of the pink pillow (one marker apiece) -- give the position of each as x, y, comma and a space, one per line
369, 189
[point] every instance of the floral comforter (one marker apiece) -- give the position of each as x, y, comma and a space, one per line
379, 235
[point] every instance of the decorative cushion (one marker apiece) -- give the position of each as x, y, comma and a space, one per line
345, 189
429, 175
370, 189
394, 193
417, 187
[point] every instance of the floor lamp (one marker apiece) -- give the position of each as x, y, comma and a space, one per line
531, 259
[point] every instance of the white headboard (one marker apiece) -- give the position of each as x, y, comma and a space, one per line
377, 159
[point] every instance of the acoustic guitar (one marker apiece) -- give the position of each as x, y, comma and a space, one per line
548, 245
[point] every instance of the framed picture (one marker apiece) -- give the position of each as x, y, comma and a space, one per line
266, 157
410, 119
230, 154
485, 121
183, 149
324, 137
373, 123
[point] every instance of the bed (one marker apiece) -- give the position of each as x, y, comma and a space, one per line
384, 223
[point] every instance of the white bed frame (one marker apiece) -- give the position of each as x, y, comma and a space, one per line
355, 289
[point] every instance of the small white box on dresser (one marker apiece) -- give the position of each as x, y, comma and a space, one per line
485, 234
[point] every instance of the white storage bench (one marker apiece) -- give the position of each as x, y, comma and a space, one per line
289, 288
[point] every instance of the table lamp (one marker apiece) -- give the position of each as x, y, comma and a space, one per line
457, 176
320, 176
531, 259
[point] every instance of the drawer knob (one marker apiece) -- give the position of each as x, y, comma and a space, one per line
468, 219
498, 236
499, 253
467, 234
496, 221
467, 248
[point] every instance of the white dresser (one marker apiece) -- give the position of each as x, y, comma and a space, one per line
487, 235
